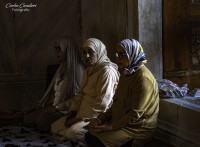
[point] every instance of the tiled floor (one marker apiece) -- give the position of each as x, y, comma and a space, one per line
27, 137
8, 128
18, 136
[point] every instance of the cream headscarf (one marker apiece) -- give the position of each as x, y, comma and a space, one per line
102, 59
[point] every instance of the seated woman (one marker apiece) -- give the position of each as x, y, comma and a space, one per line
64, 85
95, 97
133, 115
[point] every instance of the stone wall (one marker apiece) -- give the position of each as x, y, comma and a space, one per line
26, 46
26, 38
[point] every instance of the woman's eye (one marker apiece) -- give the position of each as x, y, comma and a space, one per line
90, 52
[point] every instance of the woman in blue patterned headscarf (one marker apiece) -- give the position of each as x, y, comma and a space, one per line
135, 54
133, 115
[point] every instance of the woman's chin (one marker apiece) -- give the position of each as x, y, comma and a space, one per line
89, 63
121, 69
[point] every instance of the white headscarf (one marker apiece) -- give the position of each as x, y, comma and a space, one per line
70, 71
102, 59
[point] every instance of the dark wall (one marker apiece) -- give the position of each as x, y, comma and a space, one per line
26, 46
26, 39
181, 42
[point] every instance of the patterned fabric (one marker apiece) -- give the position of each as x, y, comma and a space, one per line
135, 53
17, 136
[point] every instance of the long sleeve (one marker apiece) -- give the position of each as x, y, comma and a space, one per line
105, 90
142, 95
76, 103
98, 92
79, 94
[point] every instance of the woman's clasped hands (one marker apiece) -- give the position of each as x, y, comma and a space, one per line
95, 125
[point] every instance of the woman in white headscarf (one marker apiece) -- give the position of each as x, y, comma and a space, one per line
64, 85
95, 97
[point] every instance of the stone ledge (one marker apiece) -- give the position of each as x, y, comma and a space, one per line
179, 120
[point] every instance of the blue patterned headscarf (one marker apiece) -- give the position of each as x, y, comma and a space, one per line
135, 53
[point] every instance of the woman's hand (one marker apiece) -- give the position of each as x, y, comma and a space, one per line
101, 128
96, 126
60, 107
92, 122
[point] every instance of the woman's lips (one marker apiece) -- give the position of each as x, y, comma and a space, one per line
88, 60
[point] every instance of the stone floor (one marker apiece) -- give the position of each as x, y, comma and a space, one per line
12, 135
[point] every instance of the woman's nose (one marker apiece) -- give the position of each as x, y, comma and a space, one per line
87, 55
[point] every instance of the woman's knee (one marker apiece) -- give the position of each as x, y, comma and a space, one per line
53, 128
58, 125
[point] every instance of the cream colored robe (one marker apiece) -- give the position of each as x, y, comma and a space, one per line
94, 98
96, 93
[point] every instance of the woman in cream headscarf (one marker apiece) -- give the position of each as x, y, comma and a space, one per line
95, 97
133, 115
64, 85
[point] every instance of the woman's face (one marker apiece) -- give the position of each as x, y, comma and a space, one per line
121, 57
59, 54
89, 56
